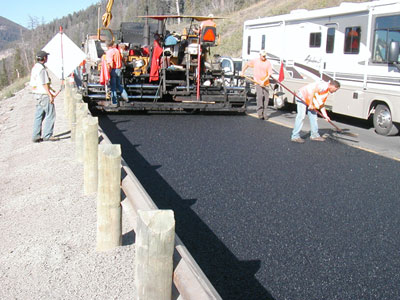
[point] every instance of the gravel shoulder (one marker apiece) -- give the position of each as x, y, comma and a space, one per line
48, 226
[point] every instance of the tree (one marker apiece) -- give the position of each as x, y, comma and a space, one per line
4, 81
19, 69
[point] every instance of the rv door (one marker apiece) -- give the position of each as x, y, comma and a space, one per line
329, 58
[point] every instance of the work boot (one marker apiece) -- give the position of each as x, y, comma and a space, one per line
318, 139
51, 139
124, 95
298, 140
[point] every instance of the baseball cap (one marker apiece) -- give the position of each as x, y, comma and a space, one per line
42, 54
263, 53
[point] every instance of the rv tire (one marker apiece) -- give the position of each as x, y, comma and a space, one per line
383, 121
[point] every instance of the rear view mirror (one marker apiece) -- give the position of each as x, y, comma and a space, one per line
394, 52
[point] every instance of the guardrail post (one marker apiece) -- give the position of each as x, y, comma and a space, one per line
72, 115
90, 154
81, 113
67, 100
155, 235
109, 212
75, 99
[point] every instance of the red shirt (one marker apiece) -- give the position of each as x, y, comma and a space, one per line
114, 58
261, 69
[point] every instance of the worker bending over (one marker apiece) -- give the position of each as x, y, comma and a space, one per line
309, 99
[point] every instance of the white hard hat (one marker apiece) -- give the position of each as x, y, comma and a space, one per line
263, 53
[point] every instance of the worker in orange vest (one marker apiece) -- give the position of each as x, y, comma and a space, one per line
310, 98
114, 64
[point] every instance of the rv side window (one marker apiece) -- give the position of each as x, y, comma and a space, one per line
315, 39
263, 42
387, 30
248, 44
330, 40
352, 40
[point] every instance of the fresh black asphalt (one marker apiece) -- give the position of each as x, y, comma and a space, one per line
266, 218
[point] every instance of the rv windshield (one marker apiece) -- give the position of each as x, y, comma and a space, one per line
387, 30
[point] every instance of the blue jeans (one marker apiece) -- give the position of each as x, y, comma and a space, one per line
301, 114
46, 114
115, 80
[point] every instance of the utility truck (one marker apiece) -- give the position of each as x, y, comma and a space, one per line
354, 43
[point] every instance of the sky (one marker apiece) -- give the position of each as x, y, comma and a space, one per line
19, 11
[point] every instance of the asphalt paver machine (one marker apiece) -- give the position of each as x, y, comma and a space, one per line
160, 75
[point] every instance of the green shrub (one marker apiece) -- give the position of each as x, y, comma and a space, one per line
16, 86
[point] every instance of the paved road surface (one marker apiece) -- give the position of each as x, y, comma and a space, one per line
365, 139
266, 218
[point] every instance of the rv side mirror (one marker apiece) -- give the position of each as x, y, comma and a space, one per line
394, 52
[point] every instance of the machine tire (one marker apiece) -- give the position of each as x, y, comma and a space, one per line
383, 121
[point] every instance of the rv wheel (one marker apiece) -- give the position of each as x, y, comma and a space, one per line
383, 121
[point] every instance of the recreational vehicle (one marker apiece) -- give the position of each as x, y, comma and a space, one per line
354, 43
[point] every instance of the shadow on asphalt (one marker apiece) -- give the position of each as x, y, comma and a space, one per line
231, 277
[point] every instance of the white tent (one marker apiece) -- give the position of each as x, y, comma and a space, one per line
64, 56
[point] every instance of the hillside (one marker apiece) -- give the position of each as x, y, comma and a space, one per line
84, 22
9, 32
79, 24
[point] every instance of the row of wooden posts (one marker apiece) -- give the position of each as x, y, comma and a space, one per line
155, 229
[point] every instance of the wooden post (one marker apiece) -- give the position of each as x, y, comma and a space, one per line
109, 222
90, 154
72, 115
81, 113
77, 96
155, 235
67, 99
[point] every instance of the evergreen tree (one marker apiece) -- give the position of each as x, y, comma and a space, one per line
4, 81
19, 68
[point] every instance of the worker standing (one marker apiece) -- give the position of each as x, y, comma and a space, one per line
45, 109
208, 22
310, 98
262, 72
156, 56
114, 64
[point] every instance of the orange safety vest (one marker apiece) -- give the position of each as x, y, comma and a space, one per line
316, 93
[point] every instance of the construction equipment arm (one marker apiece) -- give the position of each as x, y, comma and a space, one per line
107, 16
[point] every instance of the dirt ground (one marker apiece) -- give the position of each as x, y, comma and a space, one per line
47, 225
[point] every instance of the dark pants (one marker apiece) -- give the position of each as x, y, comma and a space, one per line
262, 100
115, 80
